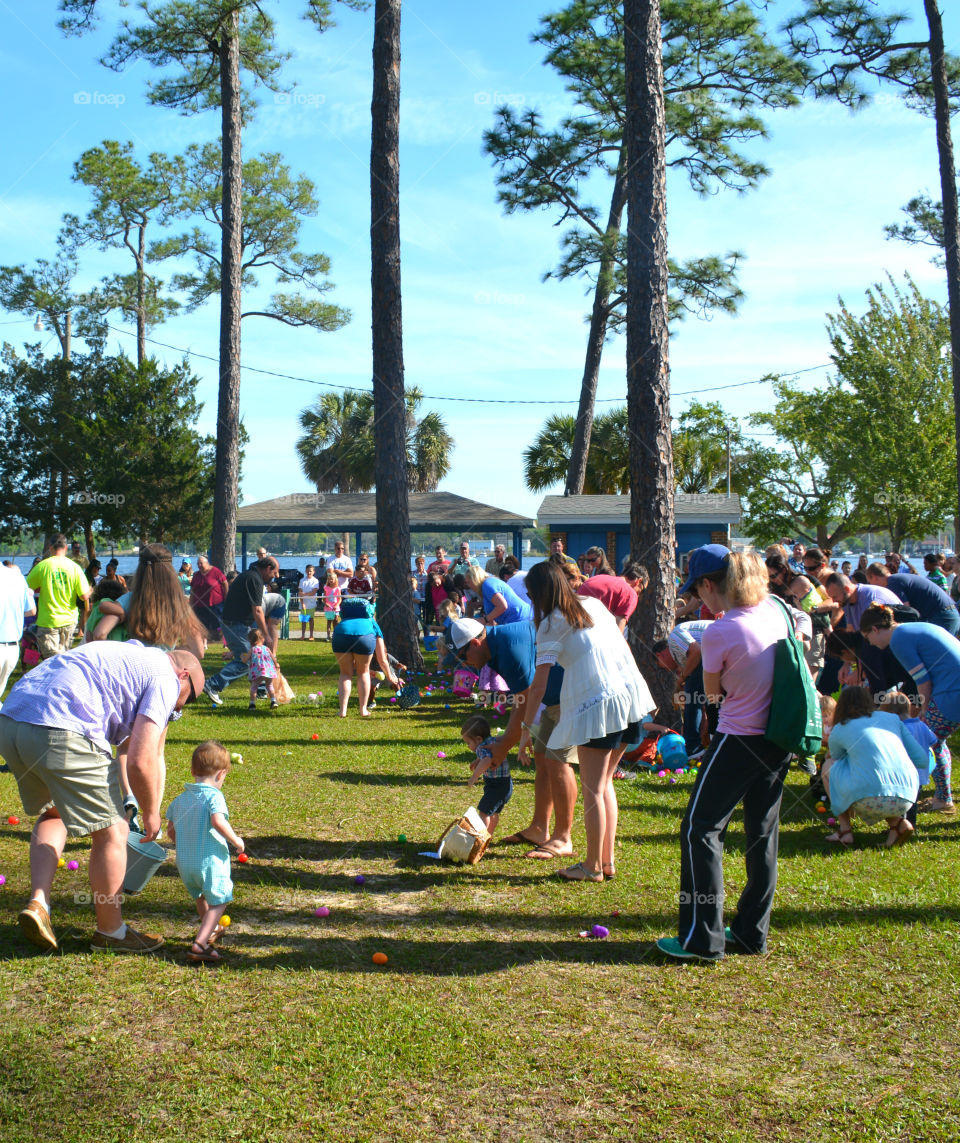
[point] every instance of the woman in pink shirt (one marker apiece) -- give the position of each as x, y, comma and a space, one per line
740, 765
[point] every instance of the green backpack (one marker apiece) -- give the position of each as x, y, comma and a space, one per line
794, 722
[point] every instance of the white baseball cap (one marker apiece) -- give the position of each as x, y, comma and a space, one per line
462, 631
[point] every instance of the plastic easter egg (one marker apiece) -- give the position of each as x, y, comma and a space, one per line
312, 698
359, 879
242, 858
61, 864
315, 737
402, 838
225, 921
599, 931
441, 754
379, 958
73, 864
12, 820
321, 911
3, 879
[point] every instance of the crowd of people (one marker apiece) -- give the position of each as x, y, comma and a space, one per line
84, 731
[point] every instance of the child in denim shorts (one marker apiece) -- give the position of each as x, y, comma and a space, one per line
497, 783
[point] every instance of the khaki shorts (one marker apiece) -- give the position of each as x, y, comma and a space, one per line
540, 736
63, 769
52, 640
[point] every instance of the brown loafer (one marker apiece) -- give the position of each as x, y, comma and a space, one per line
132, 942
35, 926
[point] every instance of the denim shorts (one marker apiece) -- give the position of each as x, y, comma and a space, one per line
355, 644
496, 793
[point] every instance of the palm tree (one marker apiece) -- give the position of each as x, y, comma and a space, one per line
547, 459
331, 451
337, 449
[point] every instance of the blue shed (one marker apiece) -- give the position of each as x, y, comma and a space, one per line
604, 521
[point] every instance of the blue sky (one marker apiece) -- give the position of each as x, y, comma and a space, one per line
479, 321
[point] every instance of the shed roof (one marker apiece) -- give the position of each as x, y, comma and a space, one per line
357, 512
689, 508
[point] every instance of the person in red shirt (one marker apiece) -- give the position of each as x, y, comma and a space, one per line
208, 589
617, 594
441, 564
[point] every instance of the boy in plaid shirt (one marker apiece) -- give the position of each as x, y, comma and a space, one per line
497, 783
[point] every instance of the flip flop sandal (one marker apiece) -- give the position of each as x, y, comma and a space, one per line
216, 935
579, 872
609, 871
519, 838
543, 853
207, 955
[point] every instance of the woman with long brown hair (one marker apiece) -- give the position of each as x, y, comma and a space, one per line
156, 612
602, 700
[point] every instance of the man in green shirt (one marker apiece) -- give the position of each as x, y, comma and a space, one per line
61, 583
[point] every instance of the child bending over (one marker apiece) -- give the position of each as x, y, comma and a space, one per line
497, 783
197, 823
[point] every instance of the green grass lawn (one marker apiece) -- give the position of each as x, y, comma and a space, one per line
493, 1019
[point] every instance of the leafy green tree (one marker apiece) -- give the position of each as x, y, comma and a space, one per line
874, 449
127, 199
102, 445
144, 439
800, 486
274, 205
203, 48
719, 70
702, 443
338, 447
898, 436
853, 40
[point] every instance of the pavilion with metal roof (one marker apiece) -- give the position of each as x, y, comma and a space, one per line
357, 512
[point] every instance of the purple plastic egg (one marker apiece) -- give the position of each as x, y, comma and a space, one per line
359, 879
73, 864
322, 911
599, 931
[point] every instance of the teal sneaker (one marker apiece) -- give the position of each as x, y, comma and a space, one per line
733, 945
671, 947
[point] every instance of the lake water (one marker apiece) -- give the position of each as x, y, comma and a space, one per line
128, 564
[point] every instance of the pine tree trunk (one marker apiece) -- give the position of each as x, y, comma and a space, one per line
224, 538
579, 454
648, 376
951, 226
395, 610
141, 298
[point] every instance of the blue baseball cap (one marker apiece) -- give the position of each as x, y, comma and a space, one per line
704, 561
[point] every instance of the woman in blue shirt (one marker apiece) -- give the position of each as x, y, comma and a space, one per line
932, 657
356, 639
500, 602
872, 768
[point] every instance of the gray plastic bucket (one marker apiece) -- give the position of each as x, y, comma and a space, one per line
143, 860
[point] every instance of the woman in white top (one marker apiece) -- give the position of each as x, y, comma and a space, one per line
602, 700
